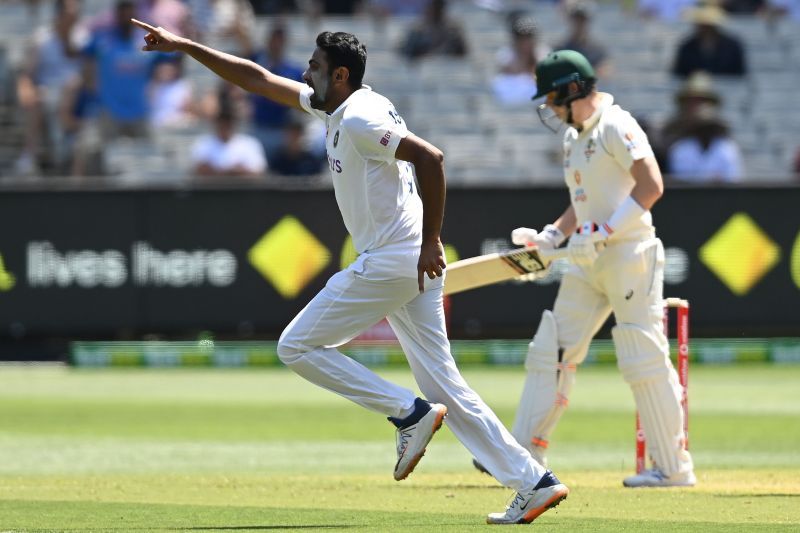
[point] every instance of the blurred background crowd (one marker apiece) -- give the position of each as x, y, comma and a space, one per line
710, 81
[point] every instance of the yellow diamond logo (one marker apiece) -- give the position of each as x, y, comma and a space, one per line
7, 279
348, 254
740, 254
289, 256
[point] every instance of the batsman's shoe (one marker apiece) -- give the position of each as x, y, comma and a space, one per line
528, 504
414, 433
656, 478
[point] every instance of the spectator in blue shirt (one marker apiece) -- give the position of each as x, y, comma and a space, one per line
123, 73
269, 119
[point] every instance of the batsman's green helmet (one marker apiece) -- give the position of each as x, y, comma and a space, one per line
559, 68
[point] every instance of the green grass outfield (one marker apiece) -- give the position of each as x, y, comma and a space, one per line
261, 450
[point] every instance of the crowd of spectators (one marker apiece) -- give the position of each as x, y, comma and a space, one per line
84, 82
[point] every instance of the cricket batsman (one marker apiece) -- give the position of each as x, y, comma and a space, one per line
395, 222
616, 264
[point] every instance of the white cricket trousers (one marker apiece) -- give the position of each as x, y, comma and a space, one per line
361, 295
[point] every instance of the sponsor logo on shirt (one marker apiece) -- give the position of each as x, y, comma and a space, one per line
335, 164
385, 139
336, 138
580, 195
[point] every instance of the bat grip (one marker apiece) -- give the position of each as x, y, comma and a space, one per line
553, 254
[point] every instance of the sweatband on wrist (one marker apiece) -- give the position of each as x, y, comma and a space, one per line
628, 212
554, 235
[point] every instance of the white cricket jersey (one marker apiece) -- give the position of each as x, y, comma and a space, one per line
375, 191
597, 164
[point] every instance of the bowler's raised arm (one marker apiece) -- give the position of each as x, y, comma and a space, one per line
246, 74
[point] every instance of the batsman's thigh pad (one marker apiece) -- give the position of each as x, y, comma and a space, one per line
643, 359
580, 309
547, 386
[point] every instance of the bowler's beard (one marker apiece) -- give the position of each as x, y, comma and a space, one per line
320, 94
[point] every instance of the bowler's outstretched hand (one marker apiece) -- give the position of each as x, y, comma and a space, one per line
431, 262
158, 39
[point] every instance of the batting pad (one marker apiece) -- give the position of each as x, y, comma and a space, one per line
543, 349
547, 385
643, 359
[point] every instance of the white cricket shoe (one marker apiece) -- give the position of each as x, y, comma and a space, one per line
412, 439
529, 504
656, 478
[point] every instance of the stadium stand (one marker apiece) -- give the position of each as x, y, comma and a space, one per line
450, 102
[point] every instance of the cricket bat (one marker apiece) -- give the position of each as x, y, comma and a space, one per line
482, 270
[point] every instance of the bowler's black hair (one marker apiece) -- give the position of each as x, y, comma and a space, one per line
344, 50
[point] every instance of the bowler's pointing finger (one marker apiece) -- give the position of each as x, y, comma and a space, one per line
143, 25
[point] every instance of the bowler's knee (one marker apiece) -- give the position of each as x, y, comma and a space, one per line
290, 347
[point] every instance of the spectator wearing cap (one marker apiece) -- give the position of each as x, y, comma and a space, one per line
515, 81
268, 118
579, 15
434, 34
707, 153
709, 48
697, 92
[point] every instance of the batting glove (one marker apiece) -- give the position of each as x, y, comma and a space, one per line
549, 238
582, 248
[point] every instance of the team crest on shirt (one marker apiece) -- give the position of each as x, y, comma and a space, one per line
578, 178
589, 151
336, 138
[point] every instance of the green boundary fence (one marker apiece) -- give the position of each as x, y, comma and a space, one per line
231, 354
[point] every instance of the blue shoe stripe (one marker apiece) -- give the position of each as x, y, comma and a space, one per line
548, 480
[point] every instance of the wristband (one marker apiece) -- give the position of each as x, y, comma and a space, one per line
626, 214
554, 235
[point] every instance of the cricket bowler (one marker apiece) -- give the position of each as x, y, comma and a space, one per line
398, 274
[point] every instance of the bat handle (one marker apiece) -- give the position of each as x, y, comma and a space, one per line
553, 254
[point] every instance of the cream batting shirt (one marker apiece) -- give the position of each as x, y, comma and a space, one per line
375, 191
597, 164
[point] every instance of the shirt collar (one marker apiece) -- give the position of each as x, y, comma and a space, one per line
339, 110
606, 101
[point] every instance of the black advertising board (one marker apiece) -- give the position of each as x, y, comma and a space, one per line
243, 262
